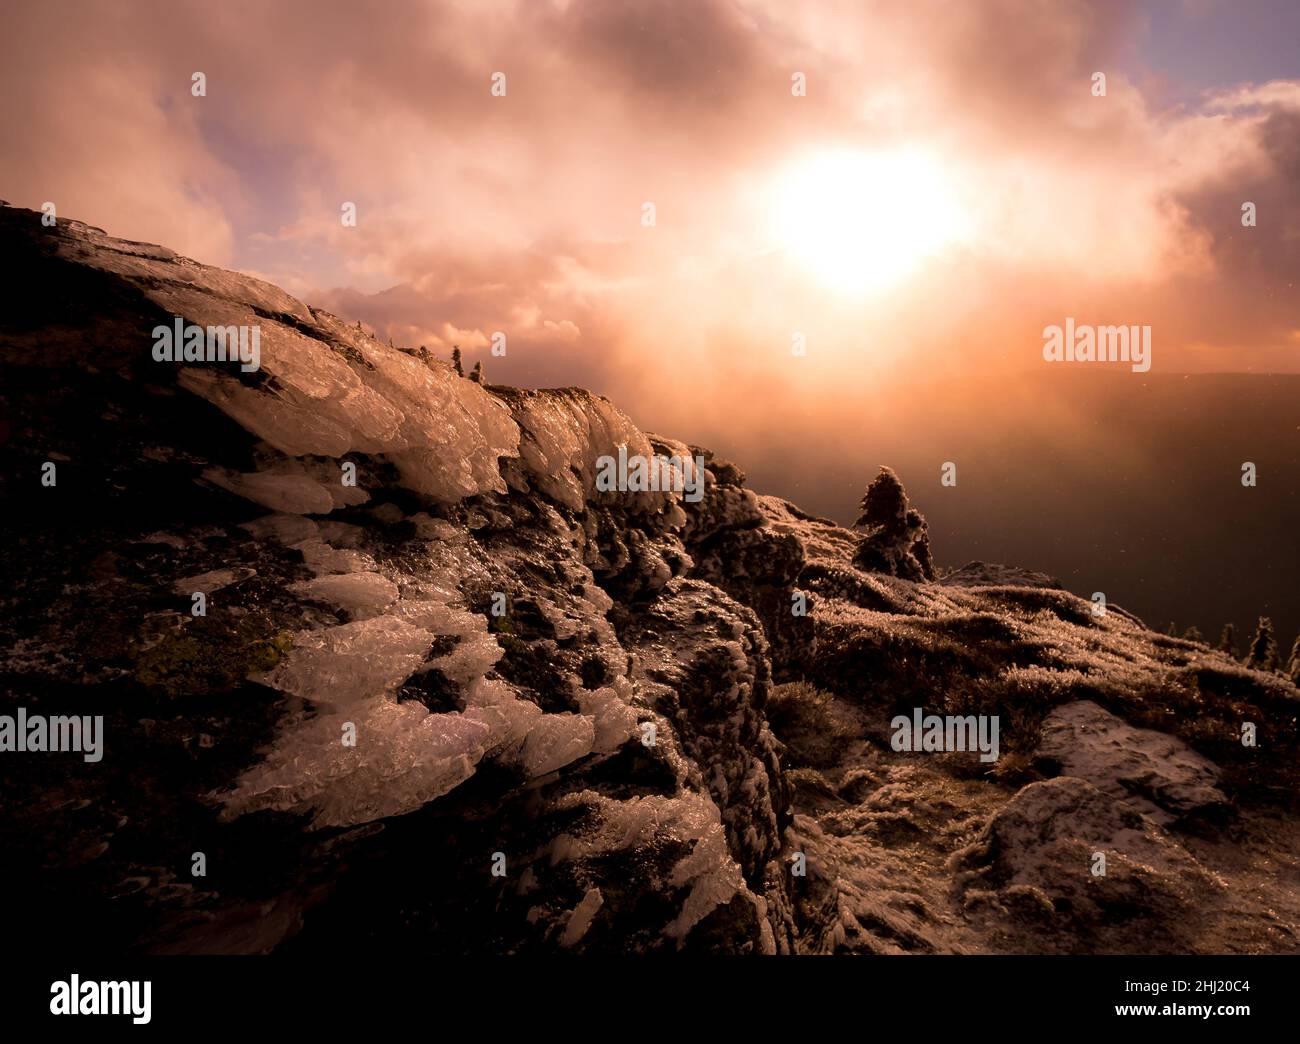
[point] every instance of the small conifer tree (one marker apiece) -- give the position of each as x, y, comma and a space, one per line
1293, 665
1263, 647
884, 504
896, 539
1228, 640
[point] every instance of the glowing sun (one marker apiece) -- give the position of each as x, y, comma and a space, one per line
861, 221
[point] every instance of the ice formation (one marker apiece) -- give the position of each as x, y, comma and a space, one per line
554, 741
443, 434
613, 720
207, 583
712, 876
292, 494
352, 591
581, 918
341, 665
404, 755
564, 433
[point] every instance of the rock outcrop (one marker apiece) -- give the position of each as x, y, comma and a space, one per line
380, 664
1033, 849
1150, 772
411, 704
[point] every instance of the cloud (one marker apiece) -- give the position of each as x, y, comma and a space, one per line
522, 214
106, 142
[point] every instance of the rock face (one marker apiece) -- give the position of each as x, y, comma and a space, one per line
1148, 771
380, 665
464, 698
1036, 848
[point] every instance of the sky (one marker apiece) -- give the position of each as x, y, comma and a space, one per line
815, 236
948, 183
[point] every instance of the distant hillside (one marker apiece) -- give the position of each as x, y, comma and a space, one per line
1124, 483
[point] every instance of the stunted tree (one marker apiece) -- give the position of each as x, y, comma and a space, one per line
895, 538
476, 374
1228, 640
884, 504
455, 360
1293, 664
1263, 647
1193, 634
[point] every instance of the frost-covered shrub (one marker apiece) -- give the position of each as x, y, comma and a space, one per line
1263, 647
803, 717
896, 538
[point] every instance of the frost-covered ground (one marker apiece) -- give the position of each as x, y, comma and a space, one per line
1115, 741
473, 704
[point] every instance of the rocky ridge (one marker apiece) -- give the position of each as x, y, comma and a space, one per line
583, 721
